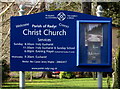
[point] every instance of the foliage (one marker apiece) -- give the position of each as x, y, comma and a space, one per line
36, 75
69, 6
5, 71
67, 75
118, 36
112, 9
27, 75
14, 74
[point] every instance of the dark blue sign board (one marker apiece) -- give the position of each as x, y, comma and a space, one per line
60, 41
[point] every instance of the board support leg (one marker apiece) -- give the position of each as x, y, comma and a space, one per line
99, 75
22, 79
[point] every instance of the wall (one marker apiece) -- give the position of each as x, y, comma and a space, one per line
115, 40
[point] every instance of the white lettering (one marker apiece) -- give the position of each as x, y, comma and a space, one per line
48, 32
34, 32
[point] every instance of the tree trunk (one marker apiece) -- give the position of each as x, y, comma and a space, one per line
118, 68
116, 73
31, 76
86, 6
46, 74
94, 75
108, 81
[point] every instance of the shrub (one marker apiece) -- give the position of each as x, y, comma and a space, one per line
14, 74
5, 71
67, 75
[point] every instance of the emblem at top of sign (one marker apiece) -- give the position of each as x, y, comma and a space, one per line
61, 16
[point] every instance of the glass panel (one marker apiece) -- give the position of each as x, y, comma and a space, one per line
94, 41
93, 33
94, 51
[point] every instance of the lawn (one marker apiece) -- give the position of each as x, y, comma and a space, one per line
78, 83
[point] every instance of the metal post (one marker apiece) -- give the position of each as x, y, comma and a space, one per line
99, 74
21, 73
21, 79
21, 11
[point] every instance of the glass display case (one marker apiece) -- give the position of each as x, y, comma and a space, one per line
92, 47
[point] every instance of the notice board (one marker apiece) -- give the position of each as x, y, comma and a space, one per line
60, 41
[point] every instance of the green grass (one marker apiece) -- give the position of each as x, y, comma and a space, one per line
78, 83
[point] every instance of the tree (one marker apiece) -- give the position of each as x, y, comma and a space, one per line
43, 7
116, 73
112, 9
69, 6
118, 68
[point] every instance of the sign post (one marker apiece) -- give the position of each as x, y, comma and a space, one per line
21, 79
99, 74
21, 73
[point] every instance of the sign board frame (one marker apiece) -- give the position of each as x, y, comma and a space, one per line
69, 21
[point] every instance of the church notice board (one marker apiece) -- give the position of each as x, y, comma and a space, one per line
60, 41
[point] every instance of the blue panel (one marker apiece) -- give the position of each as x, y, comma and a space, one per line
54, 41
